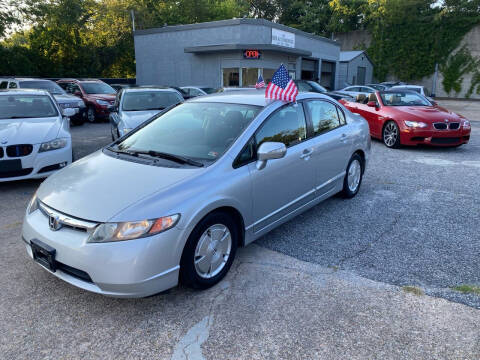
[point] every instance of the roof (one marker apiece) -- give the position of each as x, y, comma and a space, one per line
230, 22
248, 97
347, 56
23, 91
229, 47
148, 88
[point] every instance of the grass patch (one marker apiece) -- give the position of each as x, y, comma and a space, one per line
467, 289
413, 290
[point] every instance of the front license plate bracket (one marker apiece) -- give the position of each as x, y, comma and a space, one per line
43, 254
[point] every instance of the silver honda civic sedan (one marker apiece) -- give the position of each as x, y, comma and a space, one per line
174, 198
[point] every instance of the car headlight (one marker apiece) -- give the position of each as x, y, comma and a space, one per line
125, 131
466, 124
102, 102
109, 232
33, 204
53, 145
415, 124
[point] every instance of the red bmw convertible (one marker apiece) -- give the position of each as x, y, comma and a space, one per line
402, 117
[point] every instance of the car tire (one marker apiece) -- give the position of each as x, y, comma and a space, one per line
91, 114
353, 177
391, 135
209, 251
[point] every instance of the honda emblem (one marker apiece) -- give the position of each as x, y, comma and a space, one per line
54, 223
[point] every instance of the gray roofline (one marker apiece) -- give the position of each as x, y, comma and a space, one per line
214, 24
230, 47
363, 52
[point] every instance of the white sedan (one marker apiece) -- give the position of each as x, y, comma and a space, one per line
356, 90
35, 136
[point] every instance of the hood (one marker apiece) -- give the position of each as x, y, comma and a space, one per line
98, 187
66, 98
29, 131
429, 114
132, 119
106, 97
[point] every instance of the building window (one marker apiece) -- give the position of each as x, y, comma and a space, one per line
231, 77
249, 76
268, 75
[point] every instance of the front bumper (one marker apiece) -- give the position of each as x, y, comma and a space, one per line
40, 165
410, 136
134, 268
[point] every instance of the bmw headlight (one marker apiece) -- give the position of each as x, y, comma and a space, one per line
102, 102
53, 145
466, 124
108, 232
33, 204
415, 124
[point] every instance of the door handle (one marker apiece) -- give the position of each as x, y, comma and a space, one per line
306, 154
343, 138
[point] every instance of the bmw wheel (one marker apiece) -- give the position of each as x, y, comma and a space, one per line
91, 114
391, 135
209, 251
353, 177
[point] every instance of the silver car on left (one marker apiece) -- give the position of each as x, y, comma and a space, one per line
173, 199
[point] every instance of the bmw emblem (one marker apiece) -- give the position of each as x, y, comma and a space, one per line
446, 120
4, 142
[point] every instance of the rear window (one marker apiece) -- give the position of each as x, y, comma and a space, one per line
149, 100
50, 86
26, 106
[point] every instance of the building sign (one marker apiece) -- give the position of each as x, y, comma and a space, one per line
252, 54
283, 38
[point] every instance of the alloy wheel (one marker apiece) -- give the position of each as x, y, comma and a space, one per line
91, 114
213, 251
354, 175
390, 134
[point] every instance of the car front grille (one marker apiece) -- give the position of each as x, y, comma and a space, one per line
445, 126
10, 174
19, 150
66, 220
446, 140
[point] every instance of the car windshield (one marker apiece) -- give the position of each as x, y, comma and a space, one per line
149, 100
317, 86
209, 90
97, 88
377, 87
26, 106
50, 86
200, 131
403, 98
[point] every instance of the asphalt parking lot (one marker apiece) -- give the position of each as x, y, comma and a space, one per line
329, 284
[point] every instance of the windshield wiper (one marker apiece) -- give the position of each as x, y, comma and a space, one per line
126, 152
176, 158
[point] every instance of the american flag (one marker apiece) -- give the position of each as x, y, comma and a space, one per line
282, 86
260, 83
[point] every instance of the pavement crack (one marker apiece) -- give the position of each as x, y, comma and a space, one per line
369, 245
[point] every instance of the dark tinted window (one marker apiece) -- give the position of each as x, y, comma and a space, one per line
324, 116
287, 125
3, 84
97, 88
149, 100
13, 85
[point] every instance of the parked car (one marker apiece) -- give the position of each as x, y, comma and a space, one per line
194, 91
63, 99
402, 117
119, 87
133, 106
34, 135
422, 90
389, 84
309, 86
355, 90
338, 95
378, 87
174, 198
96, 94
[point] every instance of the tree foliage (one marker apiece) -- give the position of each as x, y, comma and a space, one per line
94, 37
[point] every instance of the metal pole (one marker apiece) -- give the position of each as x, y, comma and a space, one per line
434, 86
132, 14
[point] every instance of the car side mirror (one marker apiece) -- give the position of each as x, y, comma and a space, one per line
269, 151
372, 104
68, 112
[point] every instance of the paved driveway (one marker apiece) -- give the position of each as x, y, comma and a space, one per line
325, 293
